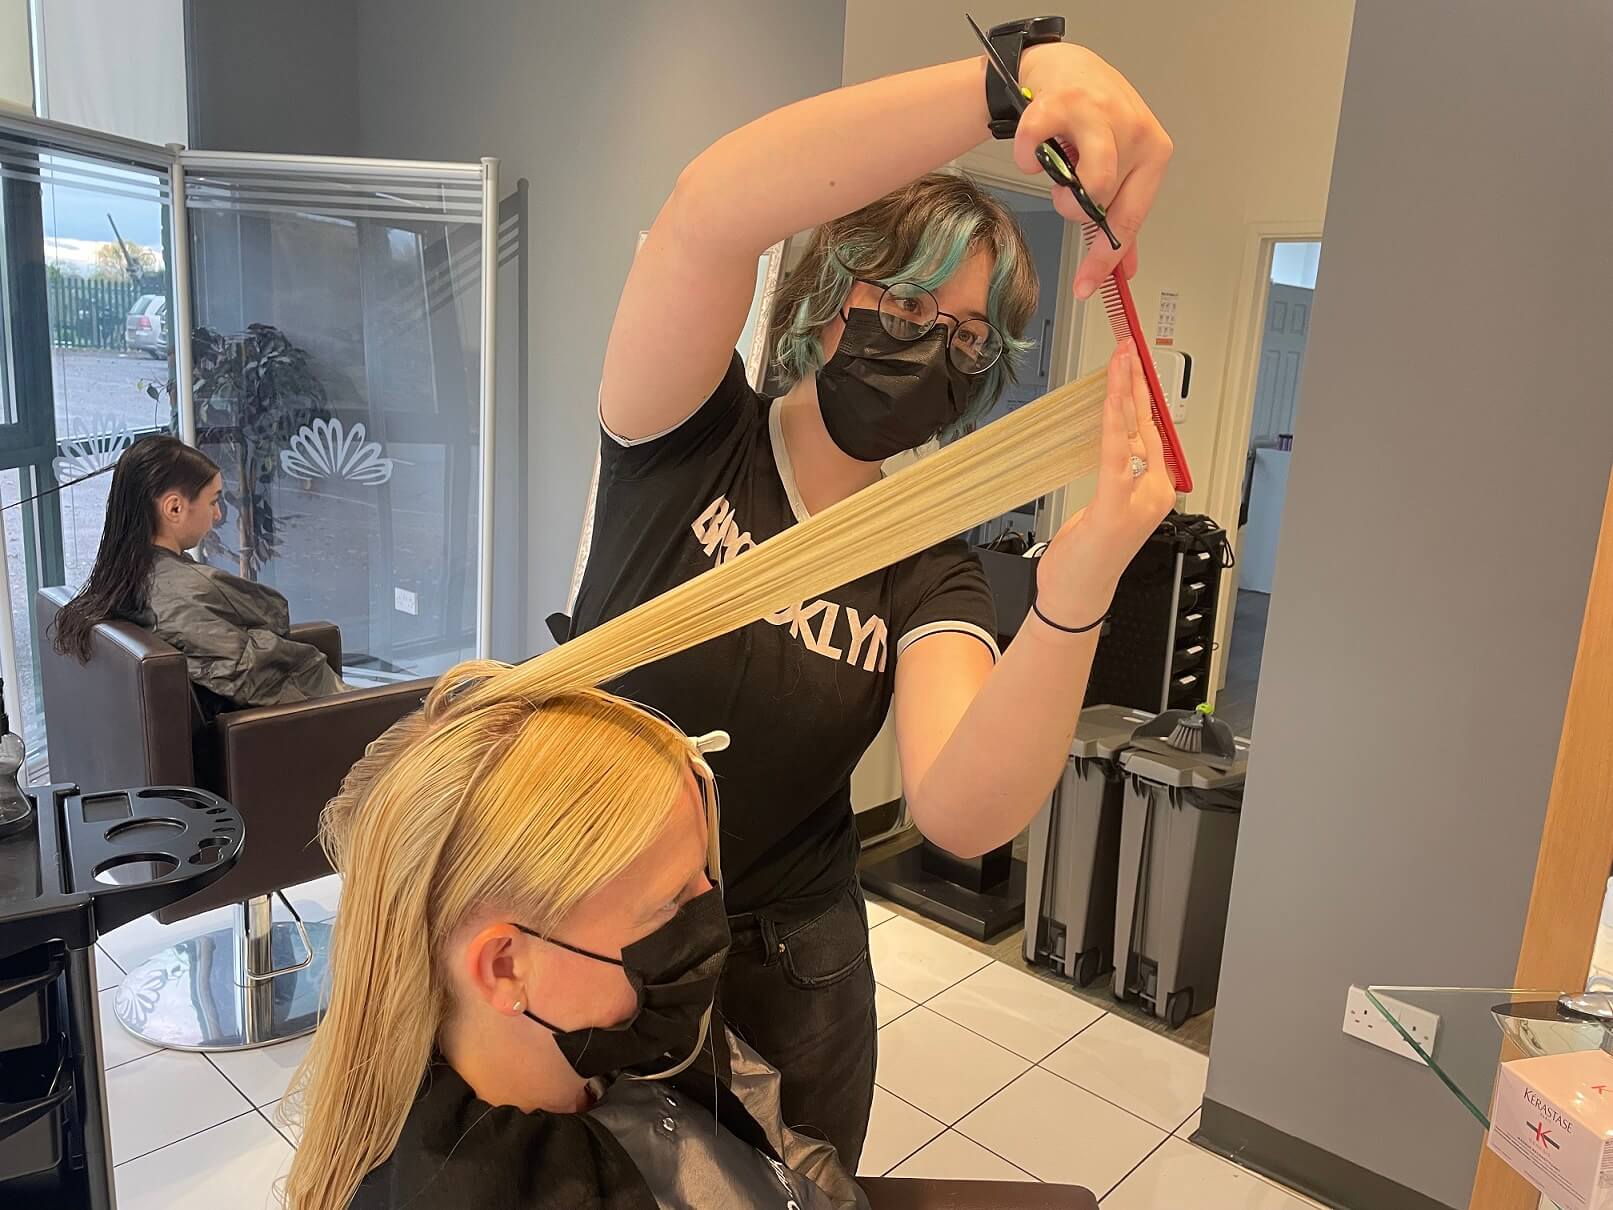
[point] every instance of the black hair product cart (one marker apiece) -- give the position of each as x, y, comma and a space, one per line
81, 867
1155, 653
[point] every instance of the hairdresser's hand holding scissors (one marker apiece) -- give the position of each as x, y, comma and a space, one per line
1084, 562
1117, 144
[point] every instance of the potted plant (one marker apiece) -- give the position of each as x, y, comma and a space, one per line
253, 391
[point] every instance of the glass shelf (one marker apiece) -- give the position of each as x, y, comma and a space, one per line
1468, 1045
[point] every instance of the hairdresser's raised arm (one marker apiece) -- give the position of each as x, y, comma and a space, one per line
691, 283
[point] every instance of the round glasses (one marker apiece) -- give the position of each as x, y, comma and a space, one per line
908, 312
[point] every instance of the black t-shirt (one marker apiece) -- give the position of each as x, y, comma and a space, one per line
804, 692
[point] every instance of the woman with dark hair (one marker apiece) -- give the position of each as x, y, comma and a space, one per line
904, 320
234, 633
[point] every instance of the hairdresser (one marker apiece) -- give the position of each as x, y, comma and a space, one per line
903, 321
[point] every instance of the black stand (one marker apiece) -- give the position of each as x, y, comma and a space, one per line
982, 898
82, 866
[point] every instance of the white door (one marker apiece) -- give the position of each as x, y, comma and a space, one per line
1282, 357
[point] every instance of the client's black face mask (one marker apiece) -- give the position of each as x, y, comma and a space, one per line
880, 395
674, 971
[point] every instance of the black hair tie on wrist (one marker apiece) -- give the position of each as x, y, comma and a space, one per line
1067, 629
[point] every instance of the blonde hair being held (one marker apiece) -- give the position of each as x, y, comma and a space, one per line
1041, 446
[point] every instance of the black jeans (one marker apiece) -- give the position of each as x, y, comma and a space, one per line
801, 992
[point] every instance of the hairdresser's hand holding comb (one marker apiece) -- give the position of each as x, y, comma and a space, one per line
1120, 148
978, 766
1084, 562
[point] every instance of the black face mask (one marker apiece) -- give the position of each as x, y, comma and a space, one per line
880, 396
674, 972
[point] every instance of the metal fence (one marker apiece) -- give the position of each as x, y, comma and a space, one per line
89, 312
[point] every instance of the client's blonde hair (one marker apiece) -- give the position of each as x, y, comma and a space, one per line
527, 789
1030, 452
456, 813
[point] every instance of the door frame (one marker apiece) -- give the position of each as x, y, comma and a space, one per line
1237, 409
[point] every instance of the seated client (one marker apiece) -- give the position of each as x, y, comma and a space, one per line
234, 633
522, 977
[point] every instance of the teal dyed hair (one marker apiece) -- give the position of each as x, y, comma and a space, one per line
919, 234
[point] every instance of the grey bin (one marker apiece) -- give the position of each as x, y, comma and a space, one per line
1074, 852
1178, 836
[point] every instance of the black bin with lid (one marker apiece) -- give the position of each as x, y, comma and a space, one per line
1184, 776
1074, 852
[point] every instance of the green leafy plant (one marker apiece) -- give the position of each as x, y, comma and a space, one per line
253, 392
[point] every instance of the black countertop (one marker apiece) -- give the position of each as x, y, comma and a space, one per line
86, 864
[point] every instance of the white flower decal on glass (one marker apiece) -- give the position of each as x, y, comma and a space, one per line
327, 449
92, 446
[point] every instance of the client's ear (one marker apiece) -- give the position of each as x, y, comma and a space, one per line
492, 969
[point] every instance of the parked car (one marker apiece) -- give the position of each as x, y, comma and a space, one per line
146, 326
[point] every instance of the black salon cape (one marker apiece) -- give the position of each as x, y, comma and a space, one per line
458, 1151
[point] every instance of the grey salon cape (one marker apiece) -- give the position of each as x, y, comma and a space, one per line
689, 1160
234, 633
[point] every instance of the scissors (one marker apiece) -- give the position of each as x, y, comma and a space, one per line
1049, 154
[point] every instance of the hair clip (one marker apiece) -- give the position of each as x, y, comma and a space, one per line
463, 687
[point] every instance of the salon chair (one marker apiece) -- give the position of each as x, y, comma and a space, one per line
903, 1193
130, 717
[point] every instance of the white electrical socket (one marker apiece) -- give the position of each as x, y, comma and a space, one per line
1363, 1020
405, 601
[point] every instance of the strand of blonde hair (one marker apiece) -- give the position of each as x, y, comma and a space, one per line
1032, 451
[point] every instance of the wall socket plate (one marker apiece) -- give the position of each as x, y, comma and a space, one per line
1363, 1020
405, 601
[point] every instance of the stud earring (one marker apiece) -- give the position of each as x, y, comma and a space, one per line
516, 1007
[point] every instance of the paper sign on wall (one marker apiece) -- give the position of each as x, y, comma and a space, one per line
1165, 334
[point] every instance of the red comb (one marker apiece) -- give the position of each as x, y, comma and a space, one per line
1116, 295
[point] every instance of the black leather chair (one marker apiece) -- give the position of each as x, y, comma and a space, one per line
129, 717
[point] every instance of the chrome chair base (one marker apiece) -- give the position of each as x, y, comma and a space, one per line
252, 985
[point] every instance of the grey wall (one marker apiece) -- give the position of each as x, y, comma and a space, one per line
279, 77
1422, 633
599, 106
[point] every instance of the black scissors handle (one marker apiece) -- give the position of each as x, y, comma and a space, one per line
1052, 157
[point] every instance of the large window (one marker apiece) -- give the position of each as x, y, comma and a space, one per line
338, 364
84, 262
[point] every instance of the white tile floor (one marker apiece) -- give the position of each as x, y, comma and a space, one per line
1036, 1085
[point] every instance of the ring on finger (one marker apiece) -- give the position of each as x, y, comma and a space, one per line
1139, 466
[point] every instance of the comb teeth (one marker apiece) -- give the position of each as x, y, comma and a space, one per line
1116, 310
1120, 322
1123, 322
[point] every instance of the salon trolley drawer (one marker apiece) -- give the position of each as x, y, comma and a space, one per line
34, 1105
1191, 596
1188, 659
1197, 565
1187, 691
1190, 628
28, 983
